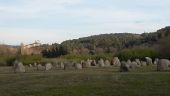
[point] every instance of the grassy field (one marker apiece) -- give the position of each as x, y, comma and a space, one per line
87, 82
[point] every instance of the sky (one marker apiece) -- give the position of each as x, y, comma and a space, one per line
53, 21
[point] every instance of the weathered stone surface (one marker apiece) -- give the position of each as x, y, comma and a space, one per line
101, 63
129, 61
59, 65
78, 66
69, 66
30, 65
35, 64
48, 66
156, 61
18, 67
148, 60
134, 65
116, 62
163, 65
62, 65
86, 64
40, 67
124, 67
107, 63
143, 63
93, 63
138, 62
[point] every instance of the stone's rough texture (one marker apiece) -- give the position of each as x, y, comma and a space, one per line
69, 66
134, 65
129, 62
59, 65
35, 64
18, 67
86, 64
116, 62
138, 62
101, 63
93, 63
78, 66
148, 60
143, 63
156, 61
30, 65
40, 67
163, 65
48, 66
107, 63
124, 67
62, 65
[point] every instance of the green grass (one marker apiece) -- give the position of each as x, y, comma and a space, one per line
86, 82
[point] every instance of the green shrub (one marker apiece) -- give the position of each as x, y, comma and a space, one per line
29, 59
139, 53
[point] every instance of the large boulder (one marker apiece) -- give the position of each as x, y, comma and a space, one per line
124, 67
18, 67
107, 63
93, 63
69, 66
134, 65
148, 60
116, 62
143, 63
86, 64
40, 67
138, 62
156, 61
78, 66
61, 65
129, 61
48, 66
35, 64
30, 65
163, 65
101, 63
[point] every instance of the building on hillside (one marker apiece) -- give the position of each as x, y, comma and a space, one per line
30, 49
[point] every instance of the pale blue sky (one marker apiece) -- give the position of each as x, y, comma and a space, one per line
53, 21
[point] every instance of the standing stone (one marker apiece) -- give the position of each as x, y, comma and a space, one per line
101, 63
93, 63
30, 65
134, 65
143, 63
138, 62
57, 65
156, 61
69, 66
107, 63
124, 67
40, 67
78, 66
86, 64
35, 64
61, 65
148, 60
48, 66
129, 62
18, 67
116, 62
163, 65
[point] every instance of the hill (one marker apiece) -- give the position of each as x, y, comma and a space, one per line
107, 43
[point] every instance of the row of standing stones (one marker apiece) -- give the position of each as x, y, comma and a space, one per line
125, 66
